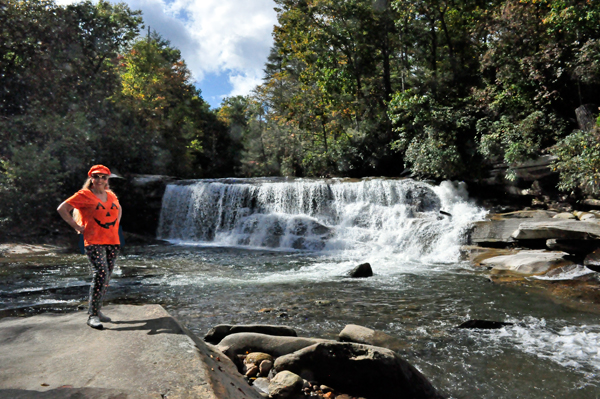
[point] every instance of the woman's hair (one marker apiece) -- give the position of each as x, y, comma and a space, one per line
89, 184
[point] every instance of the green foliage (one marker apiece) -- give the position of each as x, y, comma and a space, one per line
79, 87
429, 135
579, 162
513, 142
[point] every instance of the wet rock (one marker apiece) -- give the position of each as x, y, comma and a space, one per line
476, 254
559, 229
240, 343
484, 324
364, 335
527, 263
361, 271
359, 370
565, 215
217, 333
285, 385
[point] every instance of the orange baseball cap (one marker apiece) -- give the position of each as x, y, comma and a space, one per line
99, 169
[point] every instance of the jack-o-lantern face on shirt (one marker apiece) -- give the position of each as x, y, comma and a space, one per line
106, 218
100, 219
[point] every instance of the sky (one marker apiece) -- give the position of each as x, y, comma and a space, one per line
225, 43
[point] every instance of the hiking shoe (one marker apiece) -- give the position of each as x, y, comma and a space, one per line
103, 318
94, 322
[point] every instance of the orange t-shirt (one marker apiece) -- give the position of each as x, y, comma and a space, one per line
100, 219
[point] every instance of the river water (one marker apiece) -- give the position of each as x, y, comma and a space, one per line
278, 252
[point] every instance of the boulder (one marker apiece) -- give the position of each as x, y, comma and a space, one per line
257, 358
362, 270
217, 333
285, 385
527, 263
241, 343
364, 335
484, 324
358, 370
559, 229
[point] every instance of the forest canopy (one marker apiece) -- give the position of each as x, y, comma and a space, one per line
430, 88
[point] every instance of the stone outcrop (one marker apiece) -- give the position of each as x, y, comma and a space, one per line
217, 333
527, 263
144, 353
358, 370
558, 229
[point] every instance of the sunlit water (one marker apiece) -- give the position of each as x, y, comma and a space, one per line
420, 291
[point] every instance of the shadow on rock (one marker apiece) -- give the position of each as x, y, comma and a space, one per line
160, 325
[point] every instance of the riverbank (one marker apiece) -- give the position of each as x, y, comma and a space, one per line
144, 353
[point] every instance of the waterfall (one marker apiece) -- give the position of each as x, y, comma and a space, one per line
388, 216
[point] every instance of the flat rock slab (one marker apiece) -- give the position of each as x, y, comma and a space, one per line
493, 231
559, 229
143, 353
527, 262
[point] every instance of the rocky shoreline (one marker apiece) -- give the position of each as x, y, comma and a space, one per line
555, 252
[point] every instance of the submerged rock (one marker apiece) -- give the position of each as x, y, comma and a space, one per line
484, 324
361, 271
358, 370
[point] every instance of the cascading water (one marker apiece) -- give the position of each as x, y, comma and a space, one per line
409, 219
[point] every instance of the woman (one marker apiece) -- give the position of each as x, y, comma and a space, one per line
97, 217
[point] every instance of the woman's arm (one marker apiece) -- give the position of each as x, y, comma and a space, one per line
64, 211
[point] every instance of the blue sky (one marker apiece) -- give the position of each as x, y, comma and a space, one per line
225, 43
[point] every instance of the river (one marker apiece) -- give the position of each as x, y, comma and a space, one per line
278, 252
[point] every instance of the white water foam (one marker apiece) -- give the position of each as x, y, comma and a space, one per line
576, 347
384, 220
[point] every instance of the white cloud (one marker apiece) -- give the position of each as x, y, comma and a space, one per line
214, 36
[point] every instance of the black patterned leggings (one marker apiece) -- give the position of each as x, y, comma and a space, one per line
102, 259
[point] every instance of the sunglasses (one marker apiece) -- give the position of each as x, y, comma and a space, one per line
103, 177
